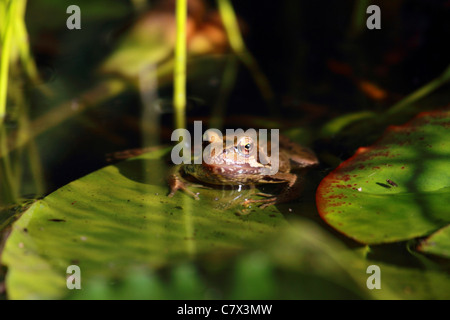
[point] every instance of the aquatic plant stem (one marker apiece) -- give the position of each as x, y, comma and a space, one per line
179, 96
420, 93
21, 40
179, 102
8, 189
237, 44
228, 80
5, 57
359, 16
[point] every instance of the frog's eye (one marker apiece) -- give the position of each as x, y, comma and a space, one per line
245, 146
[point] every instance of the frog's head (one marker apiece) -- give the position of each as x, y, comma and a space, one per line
237, 150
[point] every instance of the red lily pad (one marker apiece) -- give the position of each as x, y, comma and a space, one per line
396, 189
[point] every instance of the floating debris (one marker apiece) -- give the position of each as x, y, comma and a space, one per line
392, 183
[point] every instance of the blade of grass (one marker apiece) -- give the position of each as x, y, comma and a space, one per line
179, 100
237, 44
5, 56
8, 191
359, 16
179, 97
228, 80
2, 17
25, 160
420, 93
21, 39
150, 115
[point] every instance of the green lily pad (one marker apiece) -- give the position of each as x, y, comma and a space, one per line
438, 243
303, 261
119, 218
396, 189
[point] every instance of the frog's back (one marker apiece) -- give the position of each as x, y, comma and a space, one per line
299, 156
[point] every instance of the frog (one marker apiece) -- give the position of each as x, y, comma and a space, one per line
240, 165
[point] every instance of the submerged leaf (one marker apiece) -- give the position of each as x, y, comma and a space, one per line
438, 243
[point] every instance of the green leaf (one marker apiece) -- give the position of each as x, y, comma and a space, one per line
438, 243
303, 261
396, 189
118, 219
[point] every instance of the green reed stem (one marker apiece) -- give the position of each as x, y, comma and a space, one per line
420, 93
179, 96
2, 17
359, 16
14, 49
8, 188
21, 39
237, 44
228, 80
5, 56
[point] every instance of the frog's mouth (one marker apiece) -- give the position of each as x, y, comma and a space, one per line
228, 159
234, 169
231, 163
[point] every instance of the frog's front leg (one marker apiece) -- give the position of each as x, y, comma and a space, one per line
176, 182
290, 192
